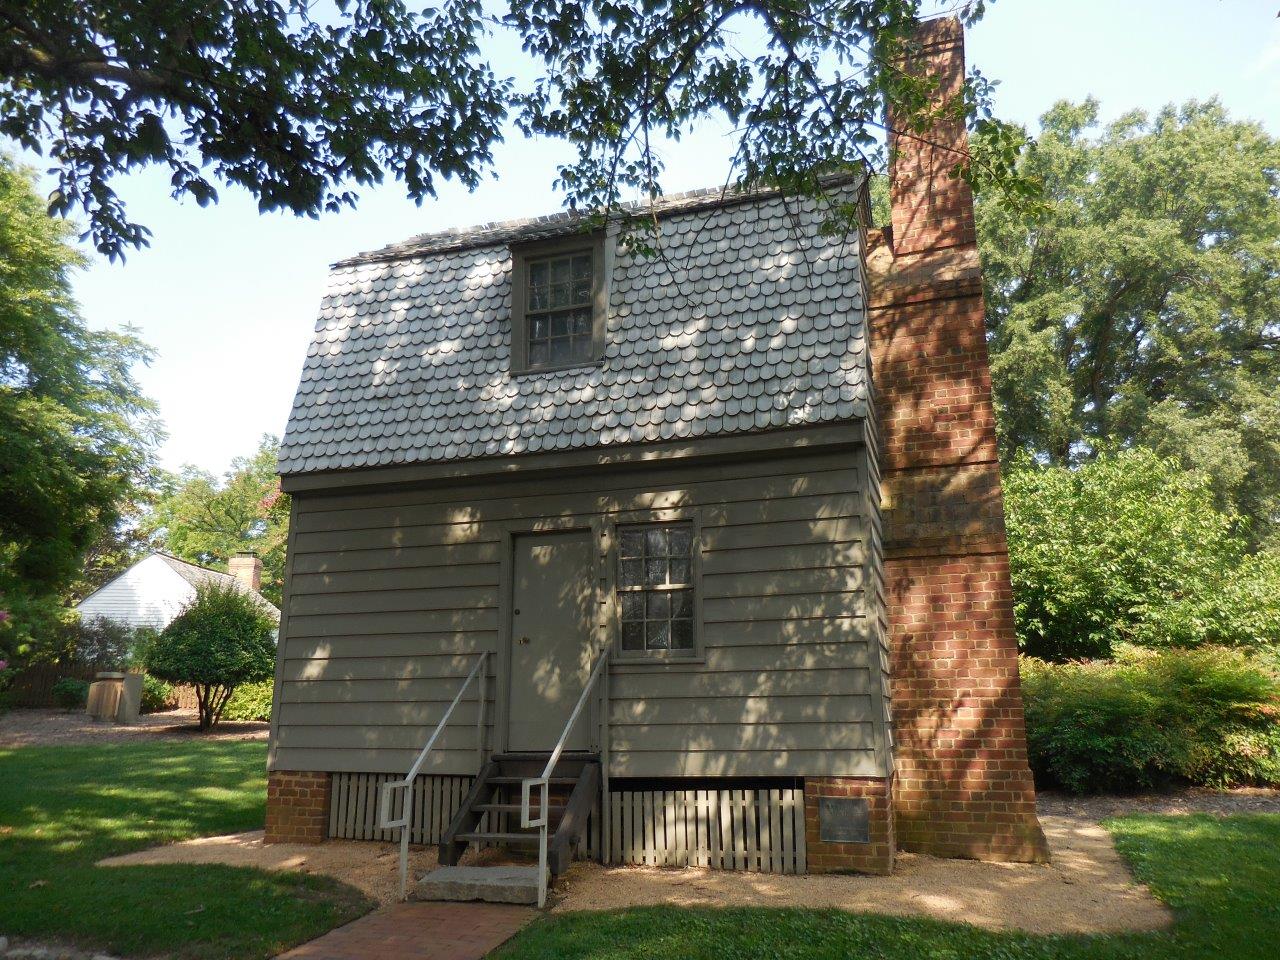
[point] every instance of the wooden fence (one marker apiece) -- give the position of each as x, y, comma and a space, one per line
33, 685
759, 830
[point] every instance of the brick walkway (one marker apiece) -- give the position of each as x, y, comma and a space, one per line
419, 931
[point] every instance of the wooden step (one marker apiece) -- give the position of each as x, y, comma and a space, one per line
554, 781
499, 837
553, 809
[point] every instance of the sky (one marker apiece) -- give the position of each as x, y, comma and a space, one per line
227, 297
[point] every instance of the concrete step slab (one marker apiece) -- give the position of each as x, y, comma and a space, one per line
498, 884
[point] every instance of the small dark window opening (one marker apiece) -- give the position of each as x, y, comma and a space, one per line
559, 308
655, 588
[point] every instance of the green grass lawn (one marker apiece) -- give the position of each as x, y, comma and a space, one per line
64, 808
1220, 876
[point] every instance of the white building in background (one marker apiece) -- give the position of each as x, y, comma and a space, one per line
155, 590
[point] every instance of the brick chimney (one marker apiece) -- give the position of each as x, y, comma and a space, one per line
964, 786
247, 568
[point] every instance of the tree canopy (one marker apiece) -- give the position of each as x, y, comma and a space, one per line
204, 520
1143, 305
301, 104
78, 436
221, 640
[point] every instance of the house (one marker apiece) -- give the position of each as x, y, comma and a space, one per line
155, 589
739, 502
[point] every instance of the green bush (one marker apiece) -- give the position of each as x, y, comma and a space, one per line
1131, 548
1207, 716
70, 693
222, 640
252, 701
157, 695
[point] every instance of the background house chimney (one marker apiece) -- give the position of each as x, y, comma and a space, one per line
931, 208
247, 568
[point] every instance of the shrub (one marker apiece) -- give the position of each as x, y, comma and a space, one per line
157, 695
1207, 716
70, 693
252, 701
1131, 548
221, 640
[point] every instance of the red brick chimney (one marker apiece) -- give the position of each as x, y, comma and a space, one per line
247, 568
964, 787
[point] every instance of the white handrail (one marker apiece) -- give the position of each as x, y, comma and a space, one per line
544, 781
406, 811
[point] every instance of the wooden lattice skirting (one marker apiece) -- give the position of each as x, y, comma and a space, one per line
754, 829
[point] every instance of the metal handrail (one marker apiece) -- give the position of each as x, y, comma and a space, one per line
544, 781
406, 810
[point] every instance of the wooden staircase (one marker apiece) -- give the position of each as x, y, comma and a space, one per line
494, 801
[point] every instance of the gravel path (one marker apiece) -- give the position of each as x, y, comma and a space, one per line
1086, 889
39, 728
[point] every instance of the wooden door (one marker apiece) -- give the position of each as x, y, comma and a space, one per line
551, 615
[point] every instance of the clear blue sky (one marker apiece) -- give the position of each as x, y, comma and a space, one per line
227, 297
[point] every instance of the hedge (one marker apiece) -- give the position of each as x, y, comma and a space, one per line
1209, 716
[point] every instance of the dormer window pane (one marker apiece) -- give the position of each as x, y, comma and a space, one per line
559, 309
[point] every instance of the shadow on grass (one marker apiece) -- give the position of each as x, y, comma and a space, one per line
64, 808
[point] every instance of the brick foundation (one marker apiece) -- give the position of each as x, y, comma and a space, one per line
297, 807
873, 857
963, 787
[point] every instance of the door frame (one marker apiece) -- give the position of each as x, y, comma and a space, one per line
511, 532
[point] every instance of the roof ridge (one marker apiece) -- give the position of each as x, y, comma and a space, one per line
188, 563
495, 231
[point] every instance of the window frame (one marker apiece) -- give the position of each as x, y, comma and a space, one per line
656, 657
521, 255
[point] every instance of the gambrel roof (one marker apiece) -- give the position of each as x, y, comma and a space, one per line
749, 320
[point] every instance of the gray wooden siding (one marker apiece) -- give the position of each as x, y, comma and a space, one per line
392, 593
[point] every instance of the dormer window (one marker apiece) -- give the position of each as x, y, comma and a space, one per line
558, 298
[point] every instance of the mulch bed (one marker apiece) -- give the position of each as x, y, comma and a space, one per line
48, 727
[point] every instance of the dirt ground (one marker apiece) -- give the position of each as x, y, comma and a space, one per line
1193, 800
1086, 889
38, 728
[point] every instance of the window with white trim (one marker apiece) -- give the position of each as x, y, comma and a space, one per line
656, 588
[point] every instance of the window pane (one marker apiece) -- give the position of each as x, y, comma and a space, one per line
655, 571
633, 606
559, 324
537, 354
559, 296
657, 605
657, 636
633, 636
682, 634
537, 328
538, 273
682, 604
582, 266
631, 543
560, 270
655, 542
537, 298
580, 322
680, 569
681, 541
560, 351
632, 572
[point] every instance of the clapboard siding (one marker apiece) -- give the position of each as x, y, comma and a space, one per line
394, 592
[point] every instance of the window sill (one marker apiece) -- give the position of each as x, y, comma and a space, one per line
626, 663
560, 368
